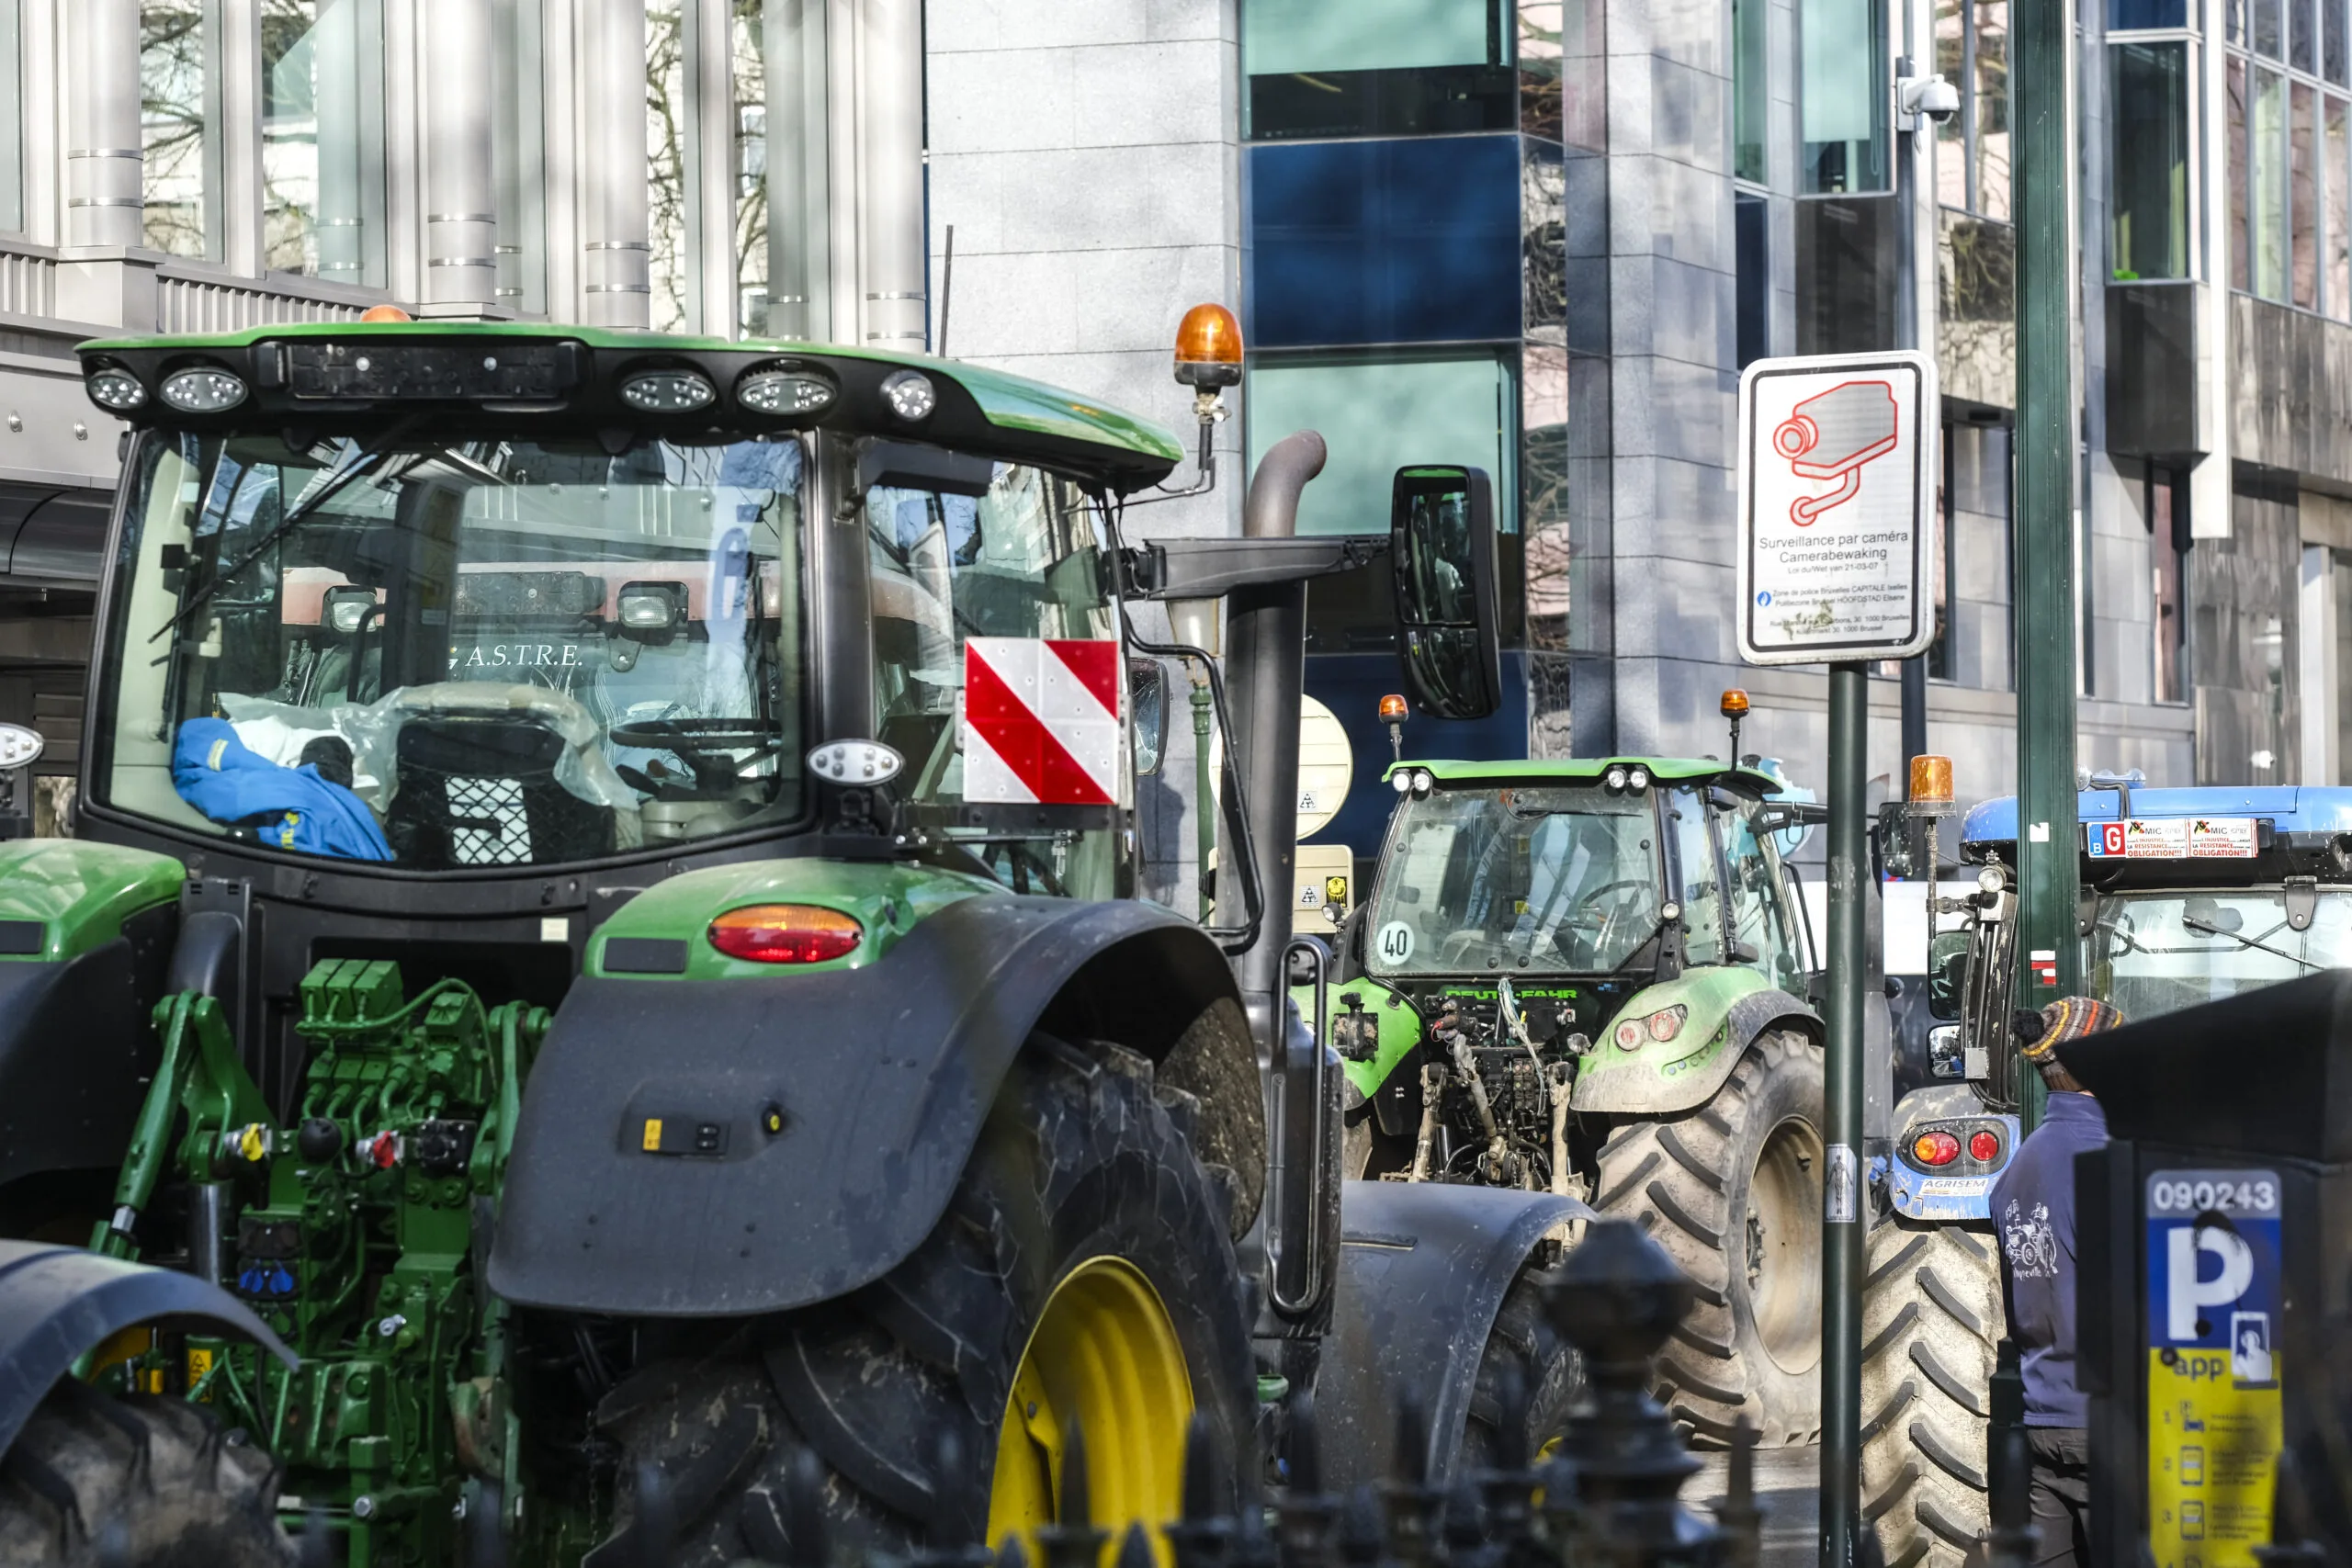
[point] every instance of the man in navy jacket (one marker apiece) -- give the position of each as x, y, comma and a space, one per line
2033, 1204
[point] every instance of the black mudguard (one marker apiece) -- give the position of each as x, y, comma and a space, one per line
1423, 1268
58, 1304
76, 1049
881, 1078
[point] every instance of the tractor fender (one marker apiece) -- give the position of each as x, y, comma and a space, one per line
84, 932
58, 1304
716, 1147
1423, 1268
1729, 1007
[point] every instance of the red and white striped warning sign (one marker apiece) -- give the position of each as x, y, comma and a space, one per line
1041, 721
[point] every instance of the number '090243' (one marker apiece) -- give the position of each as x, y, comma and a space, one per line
2198, 1197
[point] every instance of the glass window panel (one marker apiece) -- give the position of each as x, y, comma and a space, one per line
1437, 100
2127, 16
2165, 538
2239, 181
2268, 178
1458, 407
1412, 240
2332, 23
519, 153
1990, 90
2302, 19
1283, 37
1951, 134
2339, 218
179, 124
1695, 875
1842, 97
321, 84
1542, 54
2267, 27
1751, 86
2234, 20
2150, 160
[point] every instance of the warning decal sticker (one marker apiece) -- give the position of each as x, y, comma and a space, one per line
1041, 721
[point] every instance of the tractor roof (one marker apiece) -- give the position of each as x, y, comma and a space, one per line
1527, 771
2289, 810
1027, 418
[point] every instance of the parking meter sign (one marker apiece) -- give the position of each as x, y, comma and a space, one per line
1838, 461
2214, 1415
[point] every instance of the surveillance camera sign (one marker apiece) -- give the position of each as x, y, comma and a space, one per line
1838, 461
2214, 1364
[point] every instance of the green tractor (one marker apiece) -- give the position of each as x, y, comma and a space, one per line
601, 967
1590, 979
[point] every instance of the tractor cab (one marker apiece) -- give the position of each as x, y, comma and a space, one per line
1579, 881
2189, 896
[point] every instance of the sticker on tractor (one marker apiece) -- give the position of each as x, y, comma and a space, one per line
1395, 943
2213, 1421
1041, 721
2173, 838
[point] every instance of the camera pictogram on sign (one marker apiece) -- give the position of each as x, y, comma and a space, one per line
1830, 437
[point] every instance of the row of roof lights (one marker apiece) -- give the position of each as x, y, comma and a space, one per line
209, 389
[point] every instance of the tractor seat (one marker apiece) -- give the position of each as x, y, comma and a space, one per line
481, 791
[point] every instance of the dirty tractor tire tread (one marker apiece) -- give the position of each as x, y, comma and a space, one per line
1550, 1375
1685, 1178
135, 1483
1080, 1158
1931, 1313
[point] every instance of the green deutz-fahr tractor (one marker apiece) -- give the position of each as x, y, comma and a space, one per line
1590, 979
601, 962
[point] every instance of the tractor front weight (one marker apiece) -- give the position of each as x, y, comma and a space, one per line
355, 1235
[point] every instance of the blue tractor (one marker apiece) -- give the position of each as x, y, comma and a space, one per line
2189, 896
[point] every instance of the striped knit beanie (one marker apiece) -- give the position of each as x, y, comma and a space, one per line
2068, 1018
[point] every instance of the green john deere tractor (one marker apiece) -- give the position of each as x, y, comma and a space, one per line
601, 960
1590, 979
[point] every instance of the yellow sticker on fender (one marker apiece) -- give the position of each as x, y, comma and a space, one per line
653, 1135
199, 1364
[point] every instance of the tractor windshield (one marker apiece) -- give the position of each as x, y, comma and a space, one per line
479, 654
2156, 952
1554, 879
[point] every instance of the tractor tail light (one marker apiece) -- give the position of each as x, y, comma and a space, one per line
1983, 1145
786, 934
1936, 1148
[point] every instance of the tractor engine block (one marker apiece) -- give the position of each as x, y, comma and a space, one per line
353, 1233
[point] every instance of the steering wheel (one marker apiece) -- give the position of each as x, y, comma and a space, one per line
697, 735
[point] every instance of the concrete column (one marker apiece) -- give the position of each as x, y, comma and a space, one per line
103, 160
890, 100
460, 211
2319, 697
615, 226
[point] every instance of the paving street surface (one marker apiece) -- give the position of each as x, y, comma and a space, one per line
1788, 1488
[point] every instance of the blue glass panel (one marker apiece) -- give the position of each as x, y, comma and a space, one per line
2123, 16
1385, 242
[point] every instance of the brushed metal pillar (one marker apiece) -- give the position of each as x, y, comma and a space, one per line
617, 228
889, 57
104, 163
460, 204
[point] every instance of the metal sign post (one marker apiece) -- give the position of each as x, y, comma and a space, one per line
1837, 528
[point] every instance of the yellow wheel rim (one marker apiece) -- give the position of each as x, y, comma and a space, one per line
1103, 1358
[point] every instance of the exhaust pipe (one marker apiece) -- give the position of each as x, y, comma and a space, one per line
1265, 667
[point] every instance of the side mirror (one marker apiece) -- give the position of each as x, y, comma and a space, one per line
1148, 690
1441, 552
1947, 972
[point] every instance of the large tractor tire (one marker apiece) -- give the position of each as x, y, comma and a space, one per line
1931, 1319
1084, 1277
135, 1483
1525, 1344
1733, 1192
